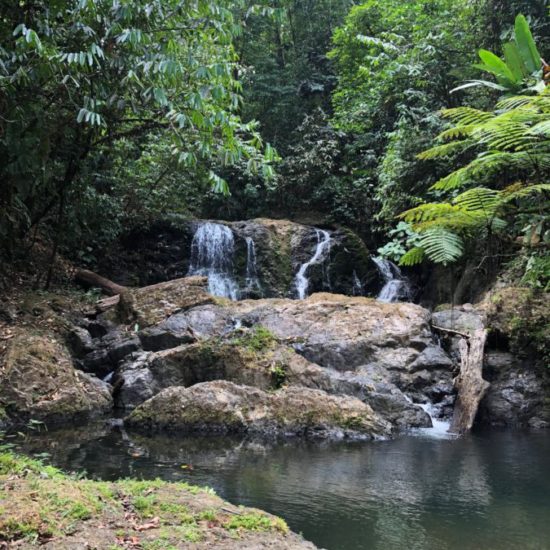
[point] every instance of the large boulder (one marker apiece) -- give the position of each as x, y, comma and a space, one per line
38, 381
382, 354
150, 305
145, 374
224, 407
518, 395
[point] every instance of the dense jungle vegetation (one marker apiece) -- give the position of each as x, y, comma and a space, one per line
376, 115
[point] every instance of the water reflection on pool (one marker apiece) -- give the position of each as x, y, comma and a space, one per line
487, 491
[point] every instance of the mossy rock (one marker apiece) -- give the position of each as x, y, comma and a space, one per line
39, 505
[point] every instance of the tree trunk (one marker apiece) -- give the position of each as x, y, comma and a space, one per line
91, 279
470, 384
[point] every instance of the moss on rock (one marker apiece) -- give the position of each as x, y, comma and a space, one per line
38, 381
41, 506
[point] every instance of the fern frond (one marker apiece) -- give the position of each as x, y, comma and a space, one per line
444, 150
541, 129
514, 192
491, 164
427, 212
478, 199
513, 102
441, 246
412, 257
466, 115
457, 132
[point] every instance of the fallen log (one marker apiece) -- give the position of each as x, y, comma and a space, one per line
470, 385
91, 279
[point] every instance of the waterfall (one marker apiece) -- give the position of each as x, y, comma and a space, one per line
252, 280
396, 287
358, 287
439, 429
321, 251
212, 256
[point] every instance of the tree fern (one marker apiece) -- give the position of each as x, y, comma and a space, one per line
513, 141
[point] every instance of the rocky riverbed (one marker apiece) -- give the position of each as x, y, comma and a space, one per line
173, 357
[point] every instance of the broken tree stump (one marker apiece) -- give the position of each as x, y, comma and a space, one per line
470, 385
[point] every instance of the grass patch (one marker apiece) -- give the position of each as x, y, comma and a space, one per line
256, 522
38, 502
257, 339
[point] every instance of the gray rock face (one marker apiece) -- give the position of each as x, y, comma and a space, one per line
517, 395
224, 407
456, 319
134, 382
382, 354
163, 252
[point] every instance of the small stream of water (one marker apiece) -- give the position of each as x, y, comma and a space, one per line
396, 288
321, 250
212, 252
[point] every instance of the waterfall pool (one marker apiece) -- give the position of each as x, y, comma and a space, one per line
487, 491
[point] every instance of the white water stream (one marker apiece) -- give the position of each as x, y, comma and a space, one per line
301, 280
439, 429
396, 287
252, 280
212, 256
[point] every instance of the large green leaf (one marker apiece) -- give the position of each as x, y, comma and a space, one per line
493, 64
526, 45
514, 61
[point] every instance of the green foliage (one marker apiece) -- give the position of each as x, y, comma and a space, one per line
395, 63
521, 69
78, 77
256, 522
537, 272
504, 182
403, 239
257, 339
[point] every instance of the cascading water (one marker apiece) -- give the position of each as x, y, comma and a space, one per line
439, 429
396, 287
322, 249
358, 287
212, 256
252, 280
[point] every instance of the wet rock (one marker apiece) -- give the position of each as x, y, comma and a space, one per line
160, 338
466, 322
120, 349
373, 351
39, 381
162, 253
97, 362
224, 407
370, 383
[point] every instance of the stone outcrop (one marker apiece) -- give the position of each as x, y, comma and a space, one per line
150, 305
379, 353
38, 381
518, 395
163, 252
224, 407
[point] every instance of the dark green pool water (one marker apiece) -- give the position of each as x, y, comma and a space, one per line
488, 491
